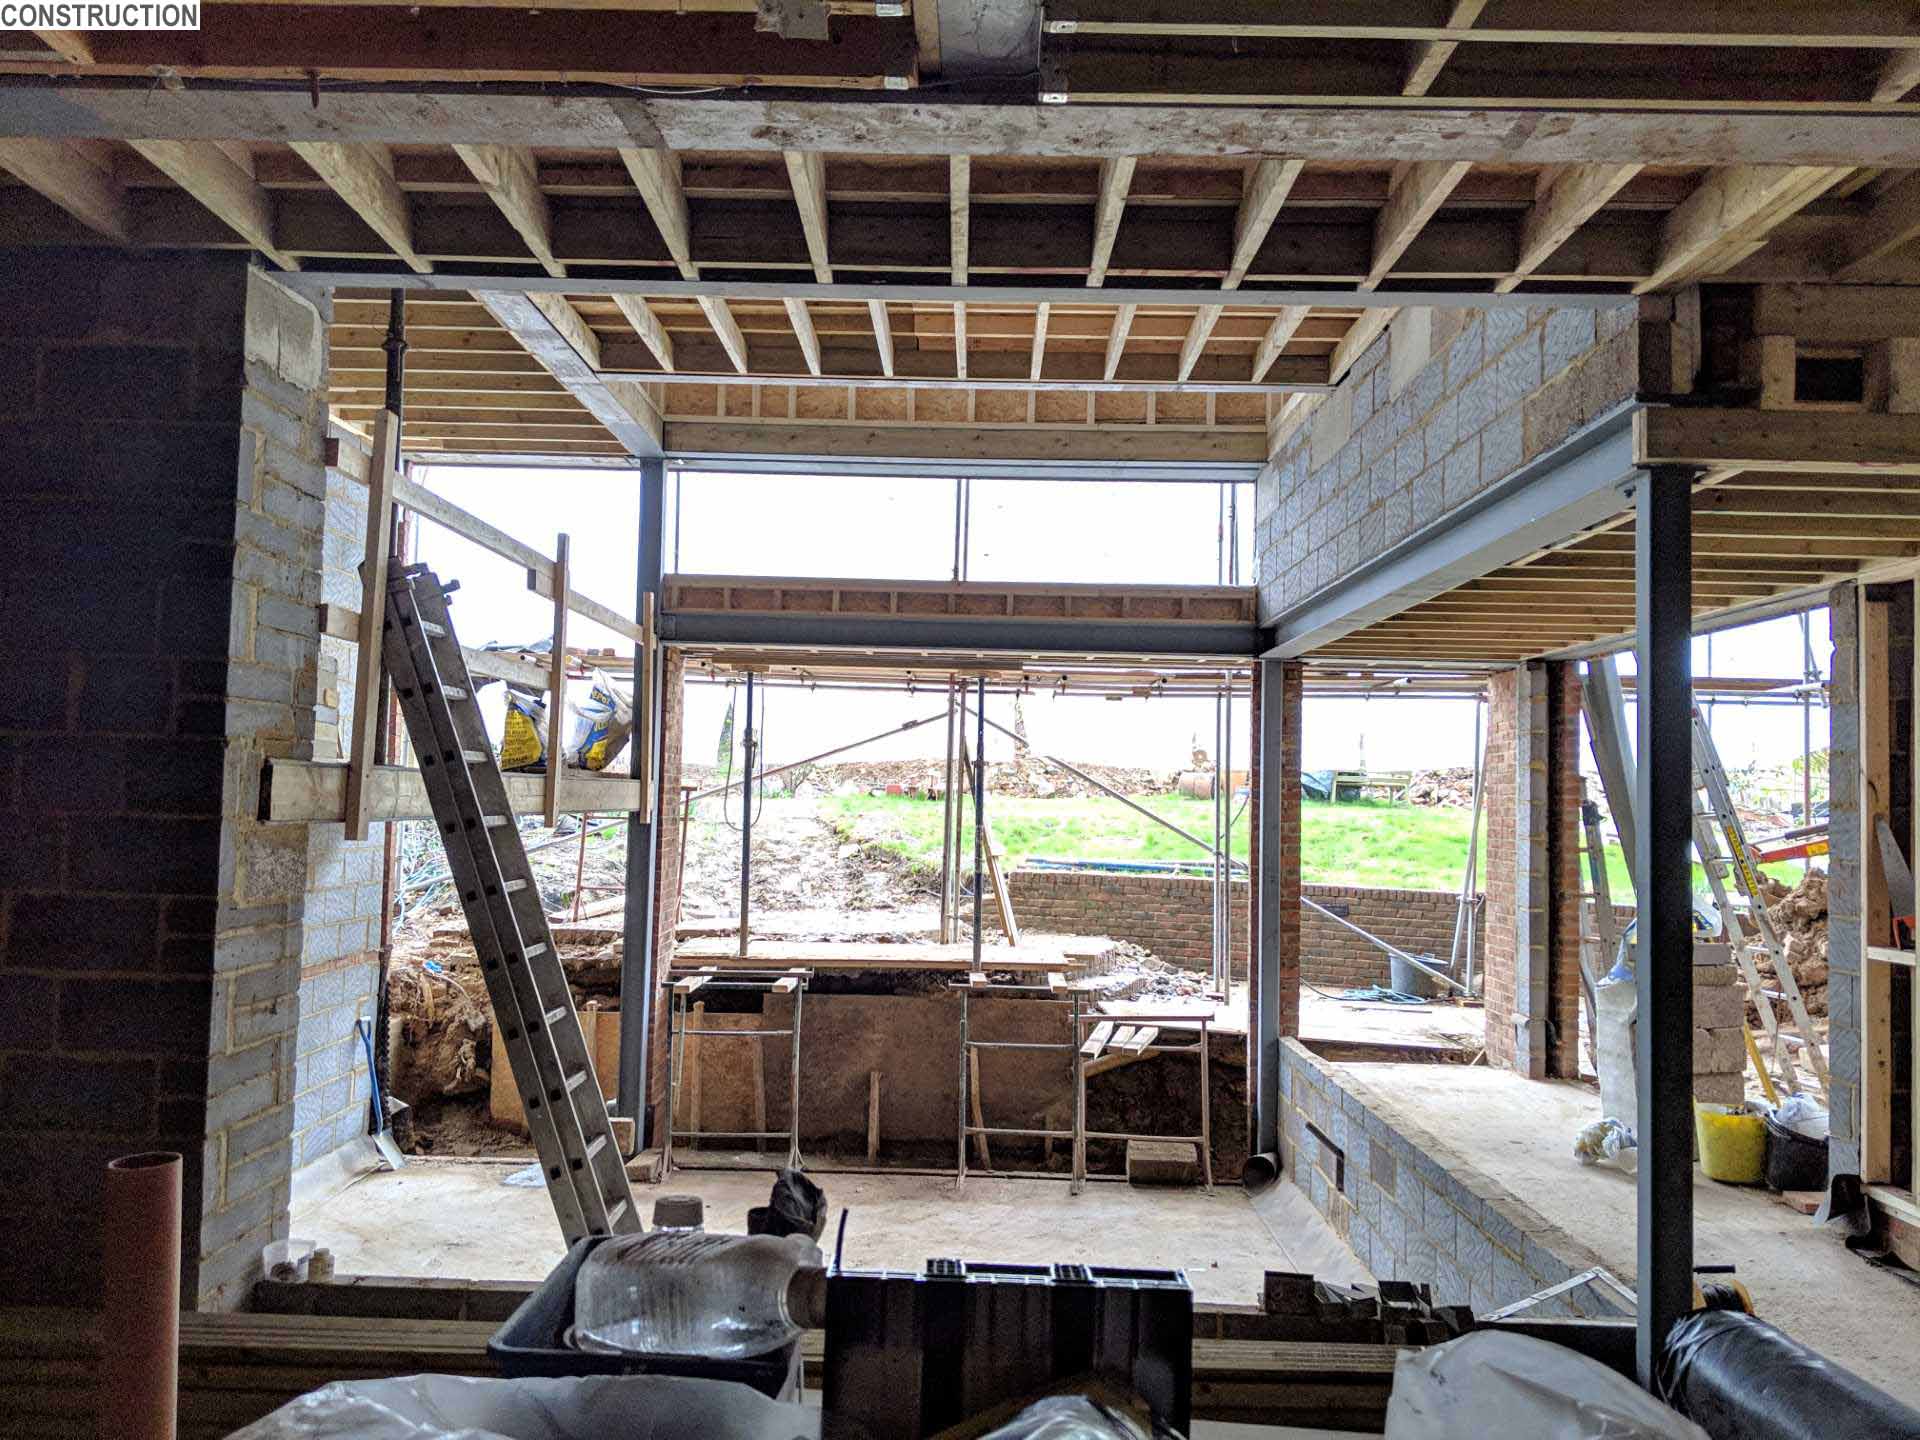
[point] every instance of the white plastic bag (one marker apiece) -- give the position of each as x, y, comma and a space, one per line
1495, 1383
1607, 1141
601, 725
1803, 1115
597, 1407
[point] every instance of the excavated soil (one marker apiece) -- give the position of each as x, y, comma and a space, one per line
1799, 916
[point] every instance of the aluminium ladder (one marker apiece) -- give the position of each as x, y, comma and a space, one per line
1605, 935
1724, 854
532, 1004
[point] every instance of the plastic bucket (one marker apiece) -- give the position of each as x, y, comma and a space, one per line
1733, 1144
1794, 1161
1409, 981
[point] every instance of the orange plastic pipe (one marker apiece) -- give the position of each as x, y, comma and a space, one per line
140, 1264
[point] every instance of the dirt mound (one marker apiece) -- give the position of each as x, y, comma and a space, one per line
1799, 916
1022, 775
1442, 787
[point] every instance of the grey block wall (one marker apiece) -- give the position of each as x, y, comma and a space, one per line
1445, 404
1411, 1213
1844, 885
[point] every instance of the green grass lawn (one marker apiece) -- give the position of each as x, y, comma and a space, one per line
1408, 847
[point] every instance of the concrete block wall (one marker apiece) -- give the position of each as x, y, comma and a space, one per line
340, 960
1410, 1211
1447, 403
1171, 916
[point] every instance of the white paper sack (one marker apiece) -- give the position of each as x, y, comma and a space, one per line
599, 1407
1489, 1383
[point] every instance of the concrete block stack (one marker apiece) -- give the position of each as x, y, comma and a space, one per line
1719, 1012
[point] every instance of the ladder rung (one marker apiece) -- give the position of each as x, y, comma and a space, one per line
512, 887
474, 757
555, 1013
595, 1146
614, 1212
453, 692
438, 632
494, 822
577, 1079
535, 950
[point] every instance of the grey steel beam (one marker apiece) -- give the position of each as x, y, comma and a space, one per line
1266, 986
1663, 887
1204, 472
1582, 481
962, 633
637, 994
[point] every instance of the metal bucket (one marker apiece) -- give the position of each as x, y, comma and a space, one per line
1410, 981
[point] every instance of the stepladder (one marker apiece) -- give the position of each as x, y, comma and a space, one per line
1734, 878
532, 1004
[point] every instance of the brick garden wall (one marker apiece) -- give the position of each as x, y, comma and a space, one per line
1409, 1217
1171, 916
161, 420
1446, 404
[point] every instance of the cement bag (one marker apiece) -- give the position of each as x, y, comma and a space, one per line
524, 746
1493, 1383
600, 726
597, 1407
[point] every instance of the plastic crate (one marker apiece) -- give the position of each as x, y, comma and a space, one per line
533, 1342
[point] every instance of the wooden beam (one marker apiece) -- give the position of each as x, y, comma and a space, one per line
960, 340
306, 791
209, 174
1151, 443
1733, 205
656, 175
71, 46
647, 326
1204, 319
1424, 66
804, 332
727, 328
1814, 442
362, 175
512, 180
1420, 192
1368, 328
1117, 338
807, 171
1892, 223
67, 176
552, 331
1266, 192
1837, 314
557, 682
1576, 194
959, 202
1285, 323
1116, 178
1038, 358
882, 334
383, 473
1899, 73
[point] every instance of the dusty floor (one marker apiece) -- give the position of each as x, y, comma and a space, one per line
1520, 1133
456, 1219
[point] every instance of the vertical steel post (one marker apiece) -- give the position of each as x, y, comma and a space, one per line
979, 814
948, 801
746, 823
1265, 1003
637, 991
1663, 885
960, 1161
793, 1091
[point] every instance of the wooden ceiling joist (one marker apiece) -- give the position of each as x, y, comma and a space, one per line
362, 175
72, 178
209, 173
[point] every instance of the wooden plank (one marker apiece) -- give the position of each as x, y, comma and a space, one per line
1204, 319
1430, 55
1420, 192
1141, 1038
959, 216
721, 952
1876, 925
209, 174
690, 984
71, 46
1037, 356
1892, 223
809, 338
1773, 360
1837, 314
1097, 1040
807, 171
873, 1117
964, 441
557, 682
1893, 378
548, 329
882, 334
1738, 201
1122, 1037
362, 175
1808, 441
67, 176
646, 324
1116, 178
1267, 190
982, 1151
310, 791
1056, 981
656, 174
1286, 323
369, 694
976, 979
727, 329
1575, 196
1123, 318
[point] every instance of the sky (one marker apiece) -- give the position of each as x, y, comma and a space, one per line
863, 528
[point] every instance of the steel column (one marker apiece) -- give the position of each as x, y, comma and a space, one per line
636, 955
746, 822
979, 813
1663, 886
1265, 1053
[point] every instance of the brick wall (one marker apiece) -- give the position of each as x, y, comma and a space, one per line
150, 939
1408, 1216
1499, 881
1170, 917
1565, 792
1447, 403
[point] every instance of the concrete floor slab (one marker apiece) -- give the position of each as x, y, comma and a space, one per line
1520, 1133
458, 1220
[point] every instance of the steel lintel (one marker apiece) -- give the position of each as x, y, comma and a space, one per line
1579, 483
1199, 472
964, 634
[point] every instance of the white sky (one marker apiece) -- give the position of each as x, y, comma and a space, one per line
1021, 530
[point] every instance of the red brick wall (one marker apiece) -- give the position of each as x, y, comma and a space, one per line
1169, 916
1497, 881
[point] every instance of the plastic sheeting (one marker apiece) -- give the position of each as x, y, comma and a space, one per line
600, 1407
1744, 1380
1494, 1383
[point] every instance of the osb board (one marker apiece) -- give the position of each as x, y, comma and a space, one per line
1180, 406
1230, 408
816, 402
831, 955
1120, 407
776, 402
739, 400
881, 404
1001, 407
1060, 407
599, 1028
940, 406
693, 399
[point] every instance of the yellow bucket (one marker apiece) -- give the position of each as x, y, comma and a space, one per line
1733, 1144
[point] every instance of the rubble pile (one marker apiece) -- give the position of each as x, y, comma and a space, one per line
1442, 787
1021, 774
1799, 916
